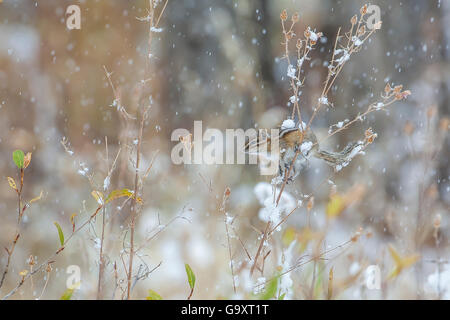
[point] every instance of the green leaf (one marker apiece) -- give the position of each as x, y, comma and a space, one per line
190, 275
67, 295
271, 290
60, 233
18, 158
153, 295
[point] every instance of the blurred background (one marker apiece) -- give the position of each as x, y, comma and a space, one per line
221, 62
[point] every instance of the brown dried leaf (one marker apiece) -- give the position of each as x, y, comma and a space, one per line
27, 160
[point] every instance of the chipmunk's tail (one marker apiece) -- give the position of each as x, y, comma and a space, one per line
340, 157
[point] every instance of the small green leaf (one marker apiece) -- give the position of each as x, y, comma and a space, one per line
271, 290
60, 233
153, 295
18, 158
190, 275
67, 295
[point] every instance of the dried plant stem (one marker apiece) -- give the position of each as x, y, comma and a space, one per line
261, 244
226, 195
287, 175
31, 280
161, 13
230, 256
295, 86
298, 265
313, 280
333, 71
53, 256
10, 251
190, 294
359, 117
101, 267
45, 286
266, 231
283, 220
134, 207
142, 117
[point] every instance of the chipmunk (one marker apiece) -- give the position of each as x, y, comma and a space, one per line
293, 139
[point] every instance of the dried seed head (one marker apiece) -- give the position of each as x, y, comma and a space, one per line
31, 261
399, 95
283, 15
363, 10
307, 34
387, 89
295, 17
404, 94
361, 31
354, 19
398, 89
299, 44
370, 135
49, 268
227, 192
289, 35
